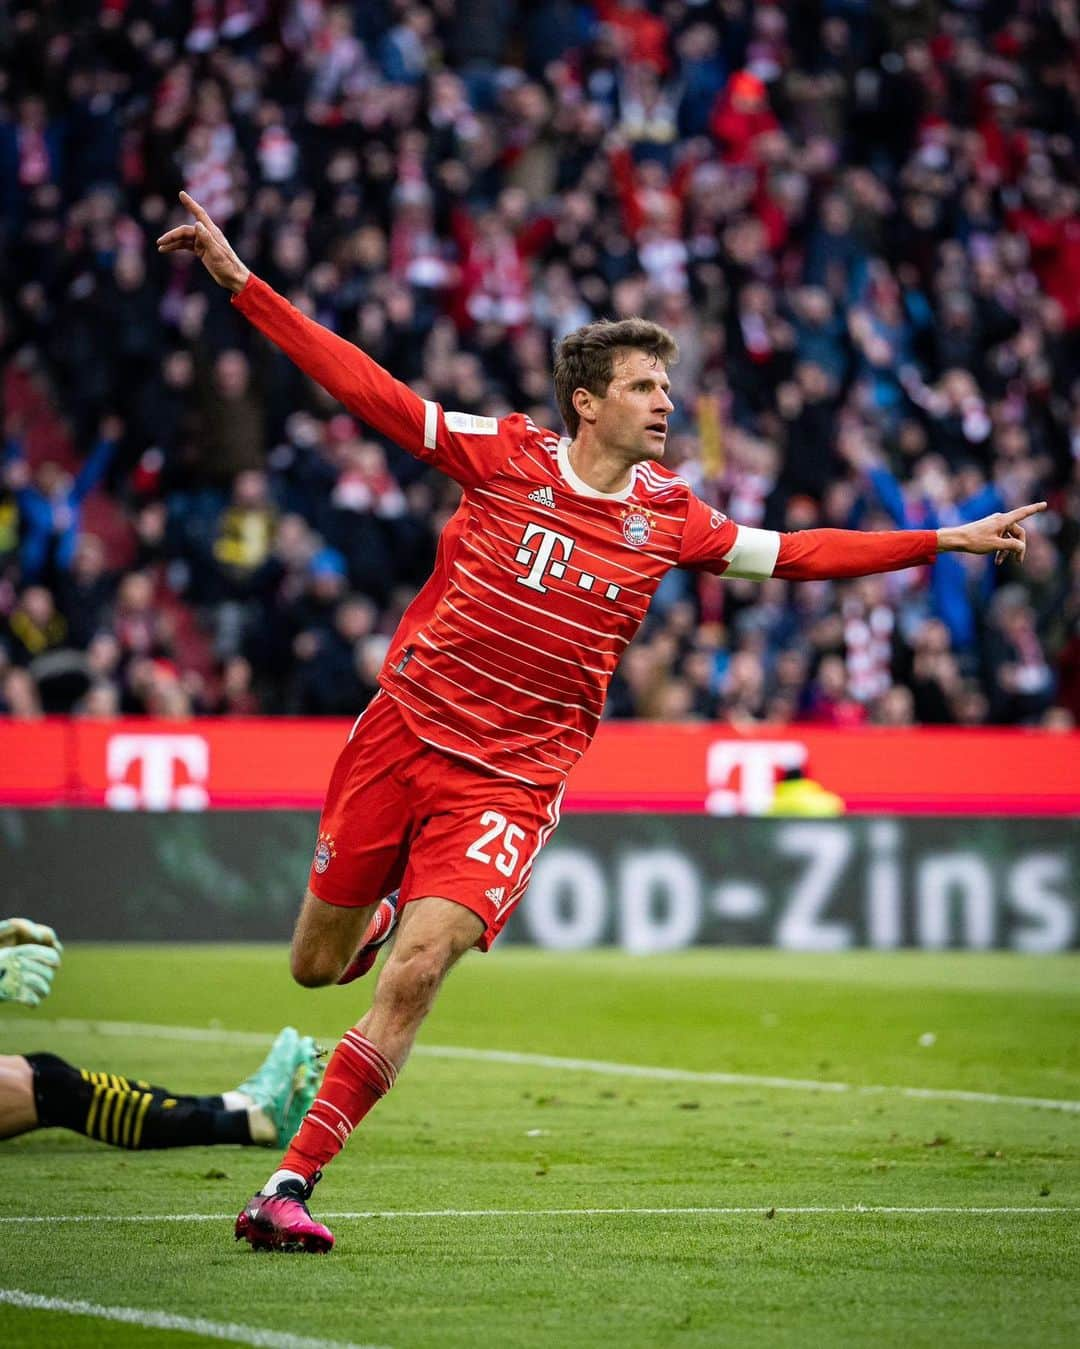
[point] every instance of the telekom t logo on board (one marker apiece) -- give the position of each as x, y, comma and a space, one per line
741, 774
151, 761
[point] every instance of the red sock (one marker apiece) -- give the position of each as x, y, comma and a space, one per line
357, 1077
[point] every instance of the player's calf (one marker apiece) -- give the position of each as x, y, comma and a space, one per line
434, 934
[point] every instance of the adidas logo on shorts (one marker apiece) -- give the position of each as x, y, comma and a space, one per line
496, 893
543, 496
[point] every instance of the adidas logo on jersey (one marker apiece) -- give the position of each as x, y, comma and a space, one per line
495, 894
543, 496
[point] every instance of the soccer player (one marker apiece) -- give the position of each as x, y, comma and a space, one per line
452, 779
39, 1091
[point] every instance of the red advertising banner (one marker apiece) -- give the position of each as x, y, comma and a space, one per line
260, 763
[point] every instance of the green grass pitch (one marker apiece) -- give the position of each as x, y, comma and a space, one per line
497, 1159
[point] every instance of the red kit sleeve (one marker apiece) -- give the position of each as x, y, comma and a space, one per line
832, 554
466, 447
714, 543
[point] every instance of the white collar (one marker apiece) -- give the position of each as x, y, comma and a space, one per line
581, 487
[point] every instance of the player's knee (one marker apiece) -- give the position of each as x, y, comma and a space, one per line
412, 977
314, 968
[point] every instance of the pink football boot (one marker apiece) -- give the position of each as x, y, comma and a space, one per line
281, 1221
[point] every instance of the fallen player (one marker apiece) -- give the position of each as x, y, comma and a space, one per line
39, 1091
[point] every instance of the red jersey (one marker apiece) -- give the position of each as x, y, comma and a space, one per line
541, 581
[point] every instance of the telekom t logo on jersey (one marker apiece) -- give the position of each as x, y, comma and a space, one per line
550, 556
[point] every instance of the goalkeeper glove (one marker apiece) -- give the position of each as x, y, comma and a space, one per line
26, 973
17, 931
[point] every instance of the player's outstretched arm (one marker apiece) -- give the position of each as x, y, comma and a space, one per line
1001, 534
343, 370
717, 544
836, 554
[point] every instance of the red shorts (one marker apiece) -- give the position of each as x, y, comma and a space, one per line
401, 814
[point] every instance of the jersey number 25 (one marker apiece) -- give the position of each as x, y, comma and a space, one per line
495, 825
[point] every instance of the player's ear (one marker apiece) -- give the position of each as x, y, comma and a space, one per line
585, 405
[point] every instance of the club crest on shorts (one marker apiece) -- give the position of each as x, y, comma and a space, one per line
325, 852
637, 526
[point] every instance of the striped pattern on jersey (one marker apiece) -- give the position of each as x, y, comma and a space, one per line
506, 655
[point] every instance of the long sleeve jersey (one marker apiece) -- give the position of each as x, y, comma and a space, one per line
540, 581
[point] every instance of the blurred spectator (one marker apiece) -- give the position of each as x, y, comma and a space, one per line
49, 503
101, 702
85, 591
19, 697
1022, 682
34, 626
829, 702
231, 436
329, 677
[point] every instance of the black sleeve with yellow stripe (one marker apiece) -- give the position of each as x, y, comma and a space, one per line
129, 1114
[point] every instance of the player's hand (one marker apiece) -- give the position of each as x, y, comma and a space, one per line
18, 931
1001, 534
26, 973
209, 245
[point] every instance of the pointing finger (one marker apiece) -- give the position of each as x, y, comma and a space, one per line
196, 210
1022, 512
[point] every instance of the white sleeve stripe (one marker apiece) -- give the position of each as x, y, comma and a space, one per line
431, 423
753, 554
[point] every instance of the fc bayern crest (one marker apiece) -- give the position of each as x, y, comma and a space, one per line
324, 853
637, 528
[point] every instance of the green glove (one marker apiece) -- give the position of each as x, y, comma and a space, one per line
26, 973
18, 931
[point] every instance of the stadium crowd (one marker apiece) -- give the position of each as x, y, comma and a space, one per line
860, 218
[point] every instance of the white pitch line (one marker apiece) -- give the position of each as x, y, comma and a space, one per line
604, 1068
150, 1319
138, 1030
757, 1209
600, 1067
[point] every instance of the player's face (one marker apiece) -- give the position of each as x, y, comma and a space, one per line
632, 416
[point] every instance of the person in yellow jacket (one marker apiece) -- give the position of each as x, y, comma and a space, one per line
797, 795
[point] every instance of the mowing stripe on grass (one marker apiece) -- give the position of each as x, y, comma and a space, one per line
757, 1210
156, 1320
601, 1067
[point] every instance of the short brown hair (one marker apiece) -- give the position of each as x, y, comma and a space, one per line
585, 358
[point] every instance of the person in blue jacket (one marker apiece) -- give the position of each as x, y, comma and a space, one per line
951, 582
50, 502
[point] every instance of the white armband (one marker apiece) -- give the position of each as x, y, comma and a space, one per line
752, 556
